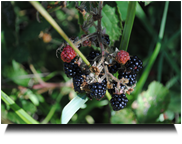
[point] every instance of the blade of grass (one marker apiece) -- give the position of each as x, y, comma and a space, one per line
19, 111
154, 55
47, 16
52, 110
128, 25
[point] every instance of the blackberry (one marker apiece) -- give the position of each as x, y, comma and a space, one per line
98, 90
92, 55
118, 102
114, 68
71, 69
77, 81
134, 64
131, 77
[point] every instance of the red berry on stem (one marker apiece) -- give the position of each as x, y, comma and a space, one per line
122, 57
68, 54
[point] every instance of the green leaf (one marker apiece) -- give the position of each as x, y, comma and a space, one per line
19, 111
16, 73
152, 103
28, 107
123, 7
175, 102
110, 22
72, 107
32, 97
124, 116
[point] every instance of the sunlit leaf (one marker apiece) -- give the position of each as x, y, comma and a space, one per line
151, 103
124, 116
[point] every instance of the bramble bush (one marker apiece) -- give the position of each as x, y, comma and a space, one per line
101, 81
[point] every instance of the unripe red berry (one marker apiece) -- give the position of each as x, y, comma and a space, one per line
122, 57
68, 54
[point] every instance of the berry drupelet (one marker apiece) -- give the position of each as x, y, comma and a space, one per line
118, 102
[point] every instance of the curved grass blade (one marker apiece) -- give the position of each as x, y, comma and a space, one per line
19, 111
72, 107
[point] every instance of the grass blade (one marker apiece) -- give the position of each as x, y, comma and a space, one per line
128, 25
72, 107
52, 110
19, 111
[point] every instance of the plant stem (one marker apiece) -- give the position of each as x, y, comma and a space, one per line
47, 16
128, 25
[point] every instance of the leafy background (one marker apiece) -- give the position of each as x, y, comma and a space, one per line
33, 77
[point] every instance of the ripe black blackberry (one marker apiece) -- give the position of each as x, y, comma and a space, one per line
77, 81
114, 68
92, 55
71, 69
131, 77
134, 65
118, 102
98, 90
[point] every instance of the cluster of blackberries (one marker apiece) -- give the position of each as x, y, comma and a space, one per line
128, 71
72, 70
126, 66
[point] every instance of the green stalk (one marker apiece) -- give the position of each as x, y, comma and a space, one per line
47, 16
108, 95
128, 25
19, 111
152, 59
52, 111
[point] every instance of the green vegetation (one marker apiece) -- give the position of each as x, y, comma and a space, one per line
34, 88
